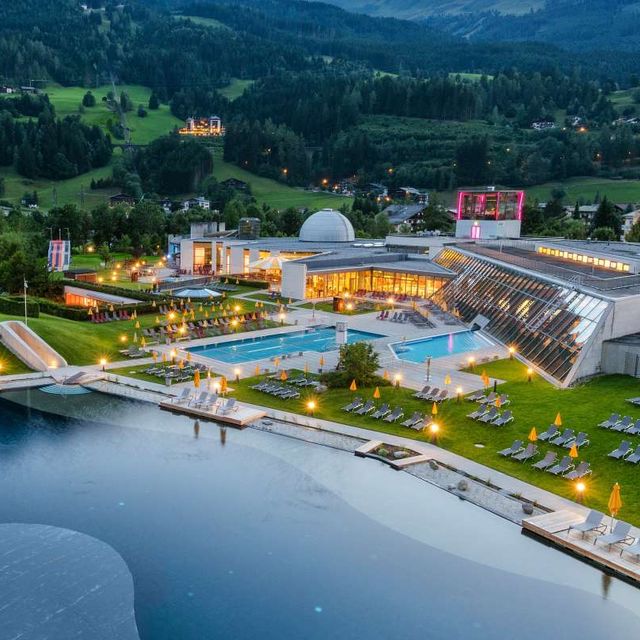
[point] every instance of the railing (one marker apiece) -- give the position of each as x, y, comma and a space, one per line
568, 275
198, 280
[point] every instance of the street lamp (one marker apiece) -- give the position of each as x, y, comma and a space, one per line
471, 360
103, 363
311, 406
282, 317
397, 377
237, 371
458, 394
529, 374
581, 487
434, 429
512, 351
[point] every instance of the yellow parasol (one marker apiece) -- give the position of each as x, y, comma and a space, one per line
137, 325
157, 320
376, 393
353, 386
306, 368
154, 355
533, 434
164, 357
135, 336
385, 374
153, 305
573, 452
143, 342
498, 402
181, 364
434, 409
257, 371
223, 384
615, 501
284, 376
189, 356
447, 379
321, 361
558, 420
196, 378
276, 362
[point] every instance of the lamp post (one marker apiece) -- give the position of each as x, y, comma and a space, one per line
428, 368
580, 489
458, 394
237, 371
26, 286
529, 374
397, 377
311, 406
512, 351
434, 429
103, 363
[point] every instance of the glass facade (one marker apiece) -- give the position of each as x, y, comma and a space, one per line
574, 256
325, 285
490, 205
547, 323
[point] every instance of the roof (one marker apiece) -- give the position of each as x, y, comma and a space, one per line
399, 213
327, 225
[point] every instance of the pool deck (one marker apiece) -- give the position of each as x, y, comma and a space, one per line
241, 416
553, 528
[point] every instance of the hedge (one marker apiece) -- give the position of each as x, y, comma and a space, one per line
15, 307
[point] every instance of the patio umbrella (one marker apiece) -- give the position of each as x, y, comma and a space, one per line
135, 336
181, 364
447, 379
385, 374
268, 264
154, 355
283, 376
223, 384
137, 324
434, 409
353, 386
376, 393
558, 420
164, 357
573, 452
189, 356
276, 362
257, 370
153, 304
157, 319
321, 361
196, 379
498, 403
533, 434
143, 342
615, 502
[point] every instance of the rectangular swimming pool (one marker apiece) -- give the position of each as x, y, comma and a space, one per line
440, 346
257, 348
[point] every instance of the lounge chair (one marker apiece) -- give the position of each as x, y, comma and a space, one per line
565, 465
424, 391
441, 397
546, 462
619, 535
623, 425
504, 400
395, 415
505, 418
593, 522
567, 435
381, 412
614, 418
210, 401
184, 396
516, 447
635, 401
582, 440
429, 396
367, 407
480, 411
634, 429
475, 396
197, 401
490, 399
489, 416
582, 470
229, 407
354, 404
551, 432
415, 418
633, 550
623, 450
528, 453
634, 458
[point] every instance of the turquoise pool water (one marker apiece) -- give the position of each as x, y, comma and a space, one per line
257, 348
440, 346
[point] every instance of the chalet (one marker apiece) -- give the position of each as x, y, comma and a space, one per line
235, 184
629, 219
121, 198
414, 195
192, 203
203, 127
405, 214
7, 90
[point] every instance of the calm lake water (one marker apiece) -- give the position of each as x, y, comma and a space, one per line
249, 535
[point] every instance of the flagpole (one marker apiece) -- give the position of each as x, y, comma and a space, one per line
26, 286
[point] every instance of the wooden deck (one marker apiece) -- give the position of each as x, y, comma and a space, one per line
239, 417
553, 527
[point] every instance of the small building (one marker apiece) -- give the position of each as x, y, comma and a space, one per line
405, 214
210, 127
193, 203
414, 195
81, 275
78, 297
629, 219
121, 198
7, 90
489, 214
235, 184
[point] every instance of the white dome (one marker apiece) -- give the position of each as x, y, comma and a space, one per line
327, 225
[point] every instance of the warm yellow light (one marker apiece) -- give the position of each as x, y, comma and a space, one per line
237, 371
236, 308
512, 350
234, 323
349, 306
390, 300
529, 370
471, 360
282, 316
172, 315
103, 362
580, 487
90, 249
118, 266
113, 278
100, 279
397, 377
173, 353
311, 405
434, 428
123, 338
458, 390
183, 330
53, 364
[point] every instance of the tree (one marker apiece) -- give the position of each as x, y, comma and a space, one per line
607, 217
359, 362
88, 100
604, 233
154, 103
634, 233
26, 164
142, 112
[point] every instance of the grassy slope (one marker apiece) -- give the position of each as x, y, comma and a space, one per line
274, 193
235, 88
587, 188
9, 364
534, 404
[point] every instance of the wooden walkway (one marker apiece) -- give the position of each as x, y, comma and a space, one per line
553, 527
240, 416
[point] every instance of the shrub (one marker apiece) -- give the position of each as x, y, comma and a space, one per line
15, 307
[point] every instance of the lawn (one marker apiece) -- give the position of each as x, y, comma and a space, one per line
82, 343
138, 373
9, 364
235, 88
276, 194
587, 188
327, 307
205, 22
534, 404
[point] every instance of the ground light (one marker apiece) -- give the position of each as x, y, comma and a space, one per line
512, 352
529, 374
581, 487
458, 394
236, 372
282, 316
397, 378
434, 429
103, 363
311, 406
471, 361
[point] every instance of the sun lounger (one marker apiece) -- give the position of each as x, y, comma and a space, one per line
490, 399
634, 458
354, 404
381, 412
548, 461
395, 415
424, 391
623, 425
593, 522
415, 418
582, 470
480, 411
623, 450
229, 407
567, 436
441, 397
202, 399
504, 400
490, 416
528, 453
367, 407
434, 392
614, 418
582, 440
619, 535
550, 433
475, 396
634, 429
562, 467
633, 550
516, 447
635, 401
505, 418
186, 394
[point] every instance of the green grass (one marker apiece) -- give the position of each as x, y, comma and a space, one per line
327, 307
9, 364
205, 22
138, 373
587, 188
273, 193
471, 77
624, 98
235, 88
534, 404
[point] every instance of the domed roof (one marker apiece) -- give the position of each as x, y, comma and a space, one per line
327, 225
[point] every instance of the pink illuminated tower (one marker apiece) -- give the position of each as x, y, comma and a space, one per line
489, 213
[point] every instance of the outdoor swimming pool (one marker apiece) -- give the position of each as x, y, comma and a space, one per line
440, 346
246, 534
260, 347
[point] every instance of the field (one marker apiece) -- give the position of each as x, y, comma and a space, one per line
587, 188
622, 99
275, 194
534, 404
205, 22
235, 88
